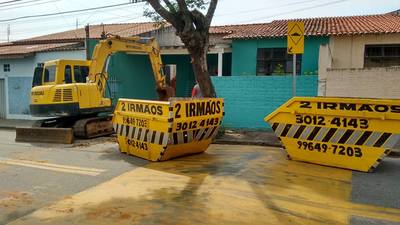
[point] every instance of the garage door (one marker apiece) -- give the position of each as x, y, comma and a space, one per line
2, 99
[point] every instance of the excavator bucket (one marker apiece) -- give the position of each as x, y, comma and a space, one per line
159, 131
348, 133
44, 134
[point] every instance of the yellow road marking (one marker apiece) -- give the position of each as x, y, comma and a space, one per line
52, 167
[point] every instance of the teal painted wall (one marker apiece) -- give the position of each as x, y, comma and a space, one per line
248, 99
184, 74
134, 78
244, 53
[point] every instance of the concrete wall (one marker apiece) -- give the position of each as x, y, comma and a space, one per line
342, 73
244, 53
248, 99
366, 83
18, 81
167, 37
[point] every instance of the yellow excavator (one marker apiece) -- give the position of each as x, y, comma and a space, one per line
73, 92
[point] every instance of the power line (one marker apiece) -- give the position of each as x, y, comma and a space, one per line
2, 3
39, 19
64, 12
19, 3
124, 18
296, 10
263, 9
27, 5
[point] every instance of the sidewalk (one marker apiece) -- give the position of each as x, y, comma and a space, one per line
247, 137
11, 124
242, 137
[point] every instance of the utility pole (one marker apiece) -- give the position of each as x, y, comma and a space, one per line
87, 41
76, 24
8, 32
294, 75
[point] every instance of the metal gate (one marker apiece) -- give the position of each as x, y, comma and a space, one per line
2, 99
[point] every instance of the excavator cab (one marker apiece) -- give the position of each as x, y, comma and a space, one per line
61, 72
60, 88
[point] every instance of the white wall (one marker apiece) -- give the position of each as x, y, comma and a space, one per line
18, 67
167, 38
365, 83
46, 56
24, 67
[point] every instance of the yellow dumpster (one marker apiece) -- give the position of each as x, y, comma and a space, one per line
342, 132
159, 131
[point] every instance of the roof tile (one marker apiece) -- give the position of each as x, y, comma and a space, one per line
327, 26
27, 49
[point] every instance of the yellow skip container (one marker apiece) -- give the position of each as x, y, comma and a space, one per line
158, 131
349, 133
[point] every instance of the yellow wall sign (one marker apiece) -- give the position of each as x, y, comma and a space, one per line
295, 38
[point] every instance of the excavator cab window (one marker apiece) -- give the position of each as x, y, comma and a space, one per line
81, 73
68, 74
37, 77
49, 74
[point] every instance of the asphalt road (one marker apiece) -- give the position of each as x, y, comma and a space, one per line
33, 176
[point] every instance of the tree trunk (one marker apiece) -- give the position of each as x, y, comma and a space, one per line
192, 27
200, 70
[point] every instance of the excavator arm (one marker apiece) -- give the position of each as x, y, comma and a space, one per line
105, 48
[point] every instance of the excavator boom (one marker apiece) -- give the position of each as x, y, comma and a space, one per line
105, 48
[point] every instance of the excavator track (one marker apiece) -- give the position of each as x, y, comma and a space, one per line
93, 127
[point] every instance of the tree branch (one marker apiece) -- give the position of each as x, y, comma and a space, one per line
183, 6
198, 19
170, 6
210, 12
162, 11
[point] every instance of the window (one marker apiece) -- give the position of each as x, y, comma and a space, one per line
37, 77
6, 67
68, 74
81, 73
276, 61
49, 74
382, 55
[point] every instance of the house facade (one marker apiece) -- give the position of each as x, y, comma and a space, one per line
130, 74
363, 61
355, 56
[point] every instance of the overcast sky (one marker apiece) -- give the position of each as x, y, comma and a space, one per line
228, 12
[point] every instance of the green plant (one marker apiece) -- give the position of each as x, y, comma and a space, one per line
278, 70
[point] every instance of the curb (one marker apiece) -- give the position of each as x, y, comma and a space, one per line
7, 127
243, 142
